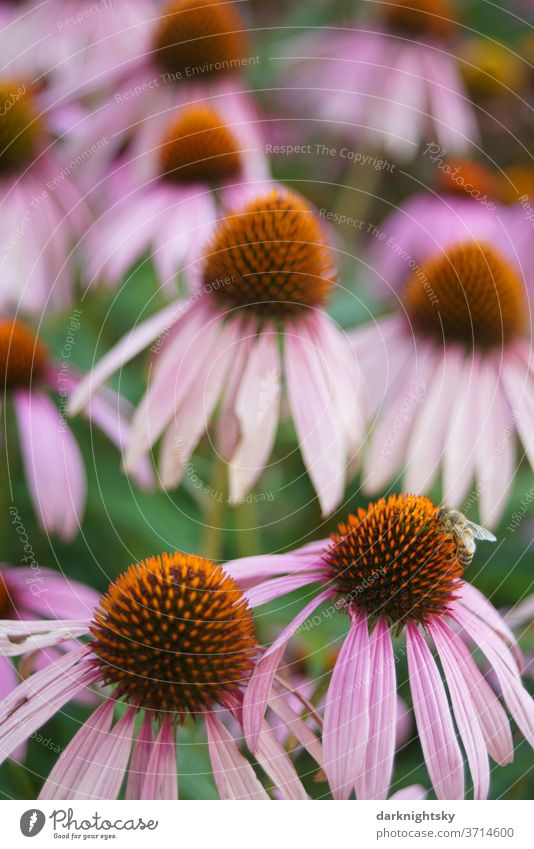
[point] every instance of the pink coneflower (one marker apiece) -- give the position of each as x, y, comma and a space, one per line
52, 460
263, 280
196, 50
395, 568
182, 169
451, 380
396, 83
173, 638
41, 213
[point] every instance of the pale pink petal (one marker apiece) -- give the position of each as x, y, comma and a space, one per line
427, 441
259, 686
77, 757
414, 791
257, 409
234, 776
161, 780
182, 362
133, 343
482, 606
227, 425
105, 771
39, 697
21, 637
464, 713
390, 437
518, 384
346, 719
373, 781
53, 463
459, 460
489, 711
318, 428
194, 415
140, 757
51, 594
495, 445
518, 701
268, 590
442, 753
277, 764
249, 571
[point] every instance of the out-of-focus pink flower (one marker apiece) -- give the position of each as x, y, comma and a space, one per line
182, 170
209, 650
394, 568
393, 84
263, 280
52, 459
449, 373
41, 211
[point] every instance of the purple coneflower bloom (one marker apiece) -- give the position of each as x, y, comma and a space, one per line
173, 637
183, 167
52, 459
264, 279
41, 211
449, 373
396, 83
393, 568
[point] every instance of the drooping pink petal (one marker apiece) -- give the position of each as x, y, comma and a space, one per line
442, 753
227, 424
477, 603
76, 758
518, 383
518, 701
414, 791
132, 344
104, 774
140, 757
427, 440
53, 463
317, 424
260, 683
192, 418
21, 636
373, 781
459, 460
161, 780
495, 445
276, 762
257, 409
346, 719
234, 776
490, 713
464, 712
41, 695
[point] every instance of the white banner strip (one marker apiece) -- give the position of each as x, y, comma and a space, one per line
231, 825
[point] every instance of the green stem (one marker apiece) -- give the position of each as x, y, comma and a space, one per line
212, 534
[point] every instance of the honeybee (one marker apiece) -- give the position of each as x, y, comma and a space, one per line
464, 532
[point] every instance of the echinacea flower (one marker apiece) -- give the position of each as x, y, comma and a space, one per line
395, 82
196, 50
52, 459
451, 380
41, 211
182, 170
173, 638
394, 569
263, 280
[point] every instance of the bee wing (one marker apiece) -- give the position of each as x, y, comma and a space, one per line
481, 533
